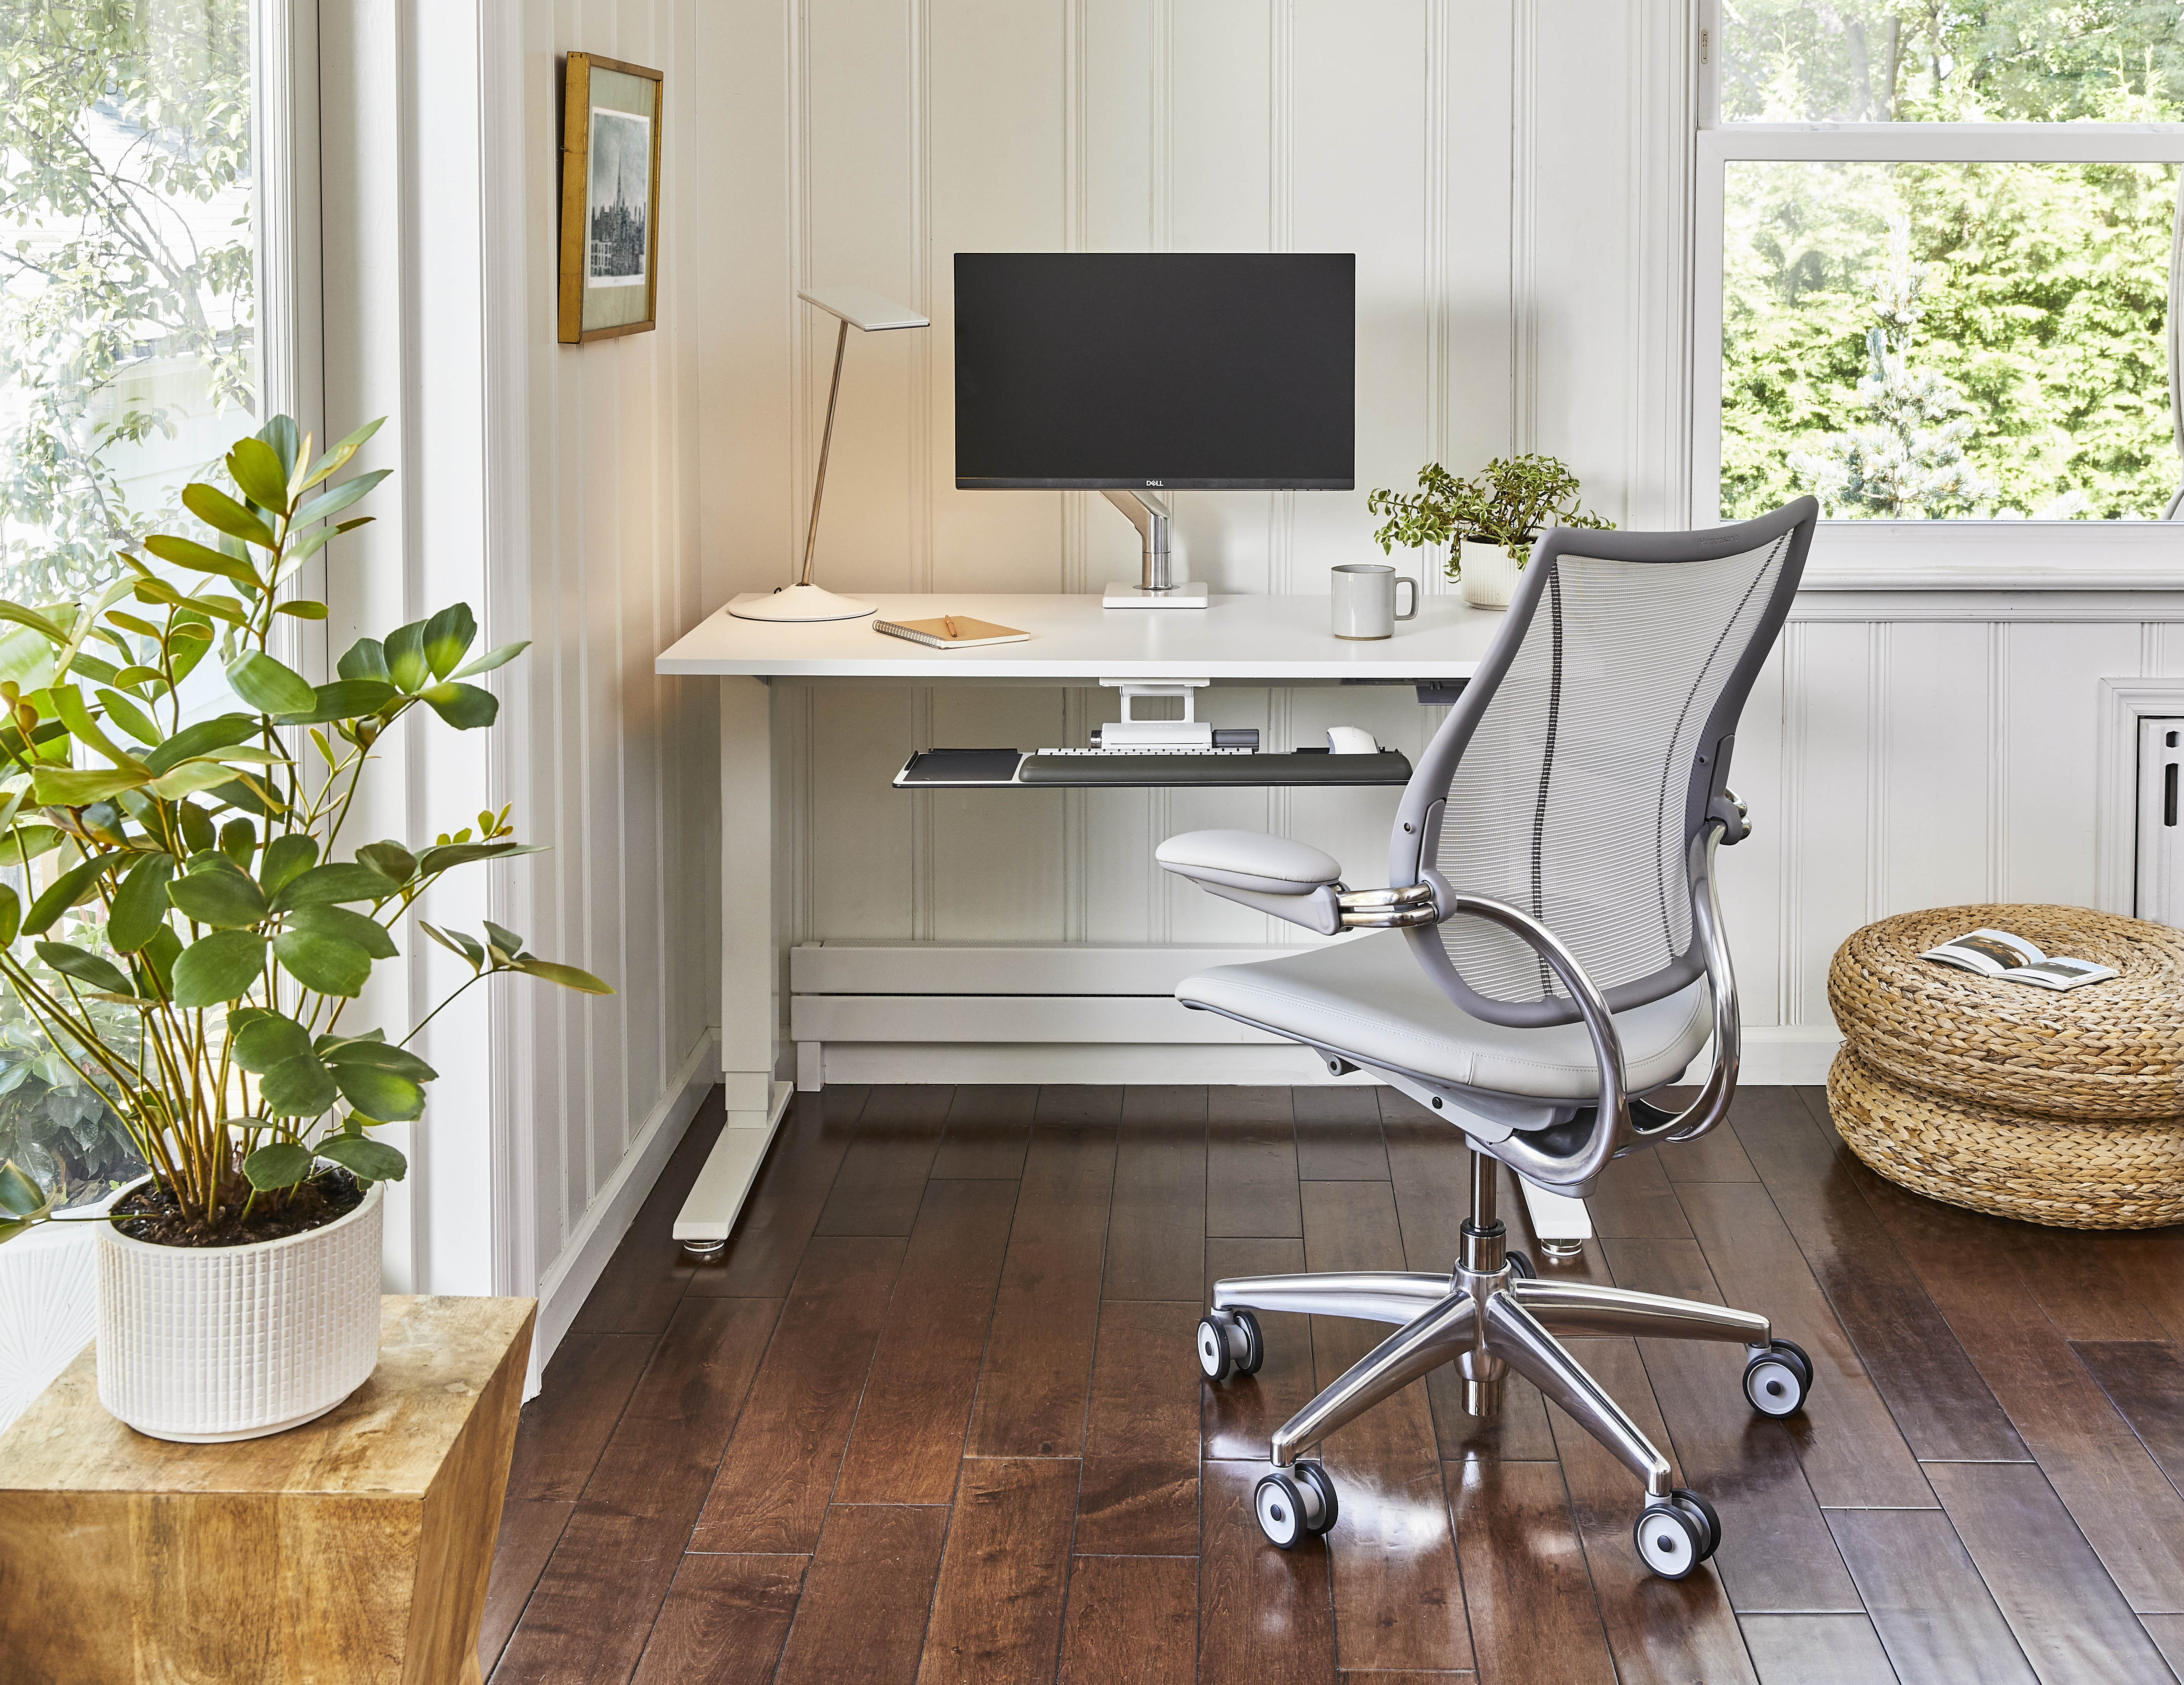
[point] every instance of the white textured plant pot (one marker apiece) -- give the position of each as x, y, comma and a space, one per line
1489, 575
205, 1343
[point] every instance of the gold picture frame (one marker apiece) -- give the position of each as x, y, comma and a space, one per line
609, 246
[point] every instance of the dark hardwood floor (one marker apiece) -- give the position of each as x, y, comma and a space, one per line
936, 1417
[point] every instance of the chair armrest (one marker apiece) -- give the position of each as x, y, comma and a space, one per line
1249, 860
1292, 880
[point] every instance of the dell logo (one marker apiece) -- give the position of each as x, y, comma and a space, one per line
1152, 482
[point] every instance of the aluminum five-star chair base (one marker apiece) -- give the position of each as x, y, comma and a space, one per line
1488, 1316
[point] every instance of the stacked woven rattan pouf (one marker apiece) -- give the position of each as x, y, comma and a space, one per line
2059, 1107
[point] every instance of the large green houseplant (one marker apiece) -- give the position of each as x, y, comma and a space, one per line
196, 924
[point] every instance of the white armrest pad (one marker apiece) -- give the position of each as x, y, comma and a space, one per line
1249, 860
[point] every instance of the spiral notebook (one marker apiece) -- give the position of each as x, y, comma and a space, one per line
951, 631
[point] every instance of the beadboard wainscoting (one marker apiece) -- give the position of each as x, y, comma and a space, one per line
1902, 749
555, 488
1513, 178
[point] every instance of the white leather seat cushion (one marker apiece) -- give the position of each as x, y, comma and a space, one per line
1371, 997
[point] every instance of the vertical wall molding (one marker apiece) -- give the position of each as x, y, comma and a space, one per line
1879, 740
1790, 972
922, 544
1523, 279
1998, 759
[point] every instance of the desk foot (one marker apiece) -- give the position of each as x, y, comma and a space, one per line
1561, 1224
717, 1196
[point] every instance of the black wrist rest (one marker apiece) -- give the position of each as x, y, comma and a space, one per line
1012, 768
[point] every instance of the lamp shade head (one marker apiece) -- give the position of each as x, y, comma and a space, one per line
862, 308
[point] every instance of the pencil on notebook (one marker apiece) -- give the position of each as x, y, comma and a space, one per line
949, 621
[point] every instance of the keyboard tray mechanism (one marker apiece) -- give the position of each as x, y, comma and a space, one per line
1017, 769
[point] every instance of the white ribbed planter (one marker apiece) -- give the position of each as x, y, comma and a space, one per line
204, 1343
1489, 575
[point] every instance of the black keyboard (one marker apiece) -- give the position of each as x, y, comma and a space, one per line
1015, 768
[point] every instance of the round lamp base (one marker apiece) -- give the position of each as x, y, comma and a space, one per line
799, 602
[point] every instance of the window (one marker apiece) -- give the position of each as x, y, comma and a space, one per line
1935, 267
128, 361
127, 356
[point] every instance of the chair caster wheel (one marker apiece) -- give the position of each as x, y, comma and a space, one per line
1777, 1380
1229, 1343
1520, 1264
1671, 1539
1296, 1503
1692, 1504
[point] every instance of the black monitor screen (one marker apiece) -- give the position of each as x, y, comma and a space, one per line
1155, 369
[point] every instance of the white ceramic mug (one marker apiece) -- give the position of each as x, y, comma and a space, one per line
1362, 597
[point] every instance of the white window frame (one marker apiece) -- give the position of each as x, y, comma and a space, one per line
2084, 555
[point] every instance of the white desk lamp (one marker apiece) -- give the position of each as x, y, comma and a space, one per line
859, 308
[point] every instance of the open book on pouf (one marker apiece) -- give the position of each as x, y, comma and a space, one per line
1997, 953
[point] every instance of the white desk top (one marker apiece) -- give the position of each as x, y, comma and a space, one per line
1235, 638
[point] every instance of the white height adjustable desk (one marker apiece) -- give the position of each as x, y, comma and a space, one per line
1254, 640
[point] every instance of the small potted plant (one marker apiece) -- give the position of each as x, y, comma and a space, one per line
1488, 524
198, 927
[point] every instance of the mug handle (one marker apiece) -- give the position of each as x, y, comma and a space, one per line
1405, 579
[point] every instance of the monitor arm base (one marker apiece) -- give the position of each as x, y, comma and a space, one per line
1157, 588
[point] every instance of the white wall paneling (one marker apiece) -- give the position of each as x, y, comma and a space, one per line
560, 491
1515, 177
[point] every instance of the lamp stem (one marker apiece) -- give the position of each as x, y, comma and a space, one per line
826, 443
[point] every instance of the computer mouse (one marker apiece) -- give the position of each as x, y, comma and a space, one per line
1350, 740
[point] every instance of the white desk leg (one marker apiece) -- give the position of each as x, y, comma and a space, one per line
1562, 1223
749, 1009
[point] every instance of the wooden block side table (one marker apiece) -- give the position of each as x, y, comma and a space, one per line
354, 1548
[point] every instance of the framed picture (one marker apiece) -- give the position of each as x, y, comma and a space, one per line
610, 198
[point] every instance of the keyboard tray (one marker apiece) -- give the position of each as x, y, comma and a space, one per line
1014, 769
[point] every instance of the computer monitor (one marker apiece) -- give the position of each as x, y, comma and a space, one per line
1137, 373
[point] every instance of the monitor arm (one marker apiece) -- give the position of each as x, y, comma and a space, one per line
1149, 516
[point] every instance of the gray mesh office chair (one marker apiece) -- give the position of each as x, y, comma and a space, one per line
1552, 954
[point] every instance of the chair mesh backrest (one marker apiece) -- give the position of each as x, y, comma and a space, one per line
1577, 789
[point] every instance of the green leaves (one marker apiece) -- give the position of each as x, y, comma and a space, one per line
443, 856
206, 737
216, 891
340, 498
281, 1165
84, 967
447, 636
406, 664
367, 1161
269, 686
140, 905
72, 886
504, 951
345, 698
223, 514
367, 658
390, 859
286, 857
23, 1203
186, 553
218, 968
256, 469
354, 928
568, 976
380, 1094
11, 916
320, 961
464, 706
66, 787
299, 1087
264, 1039
336, 881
